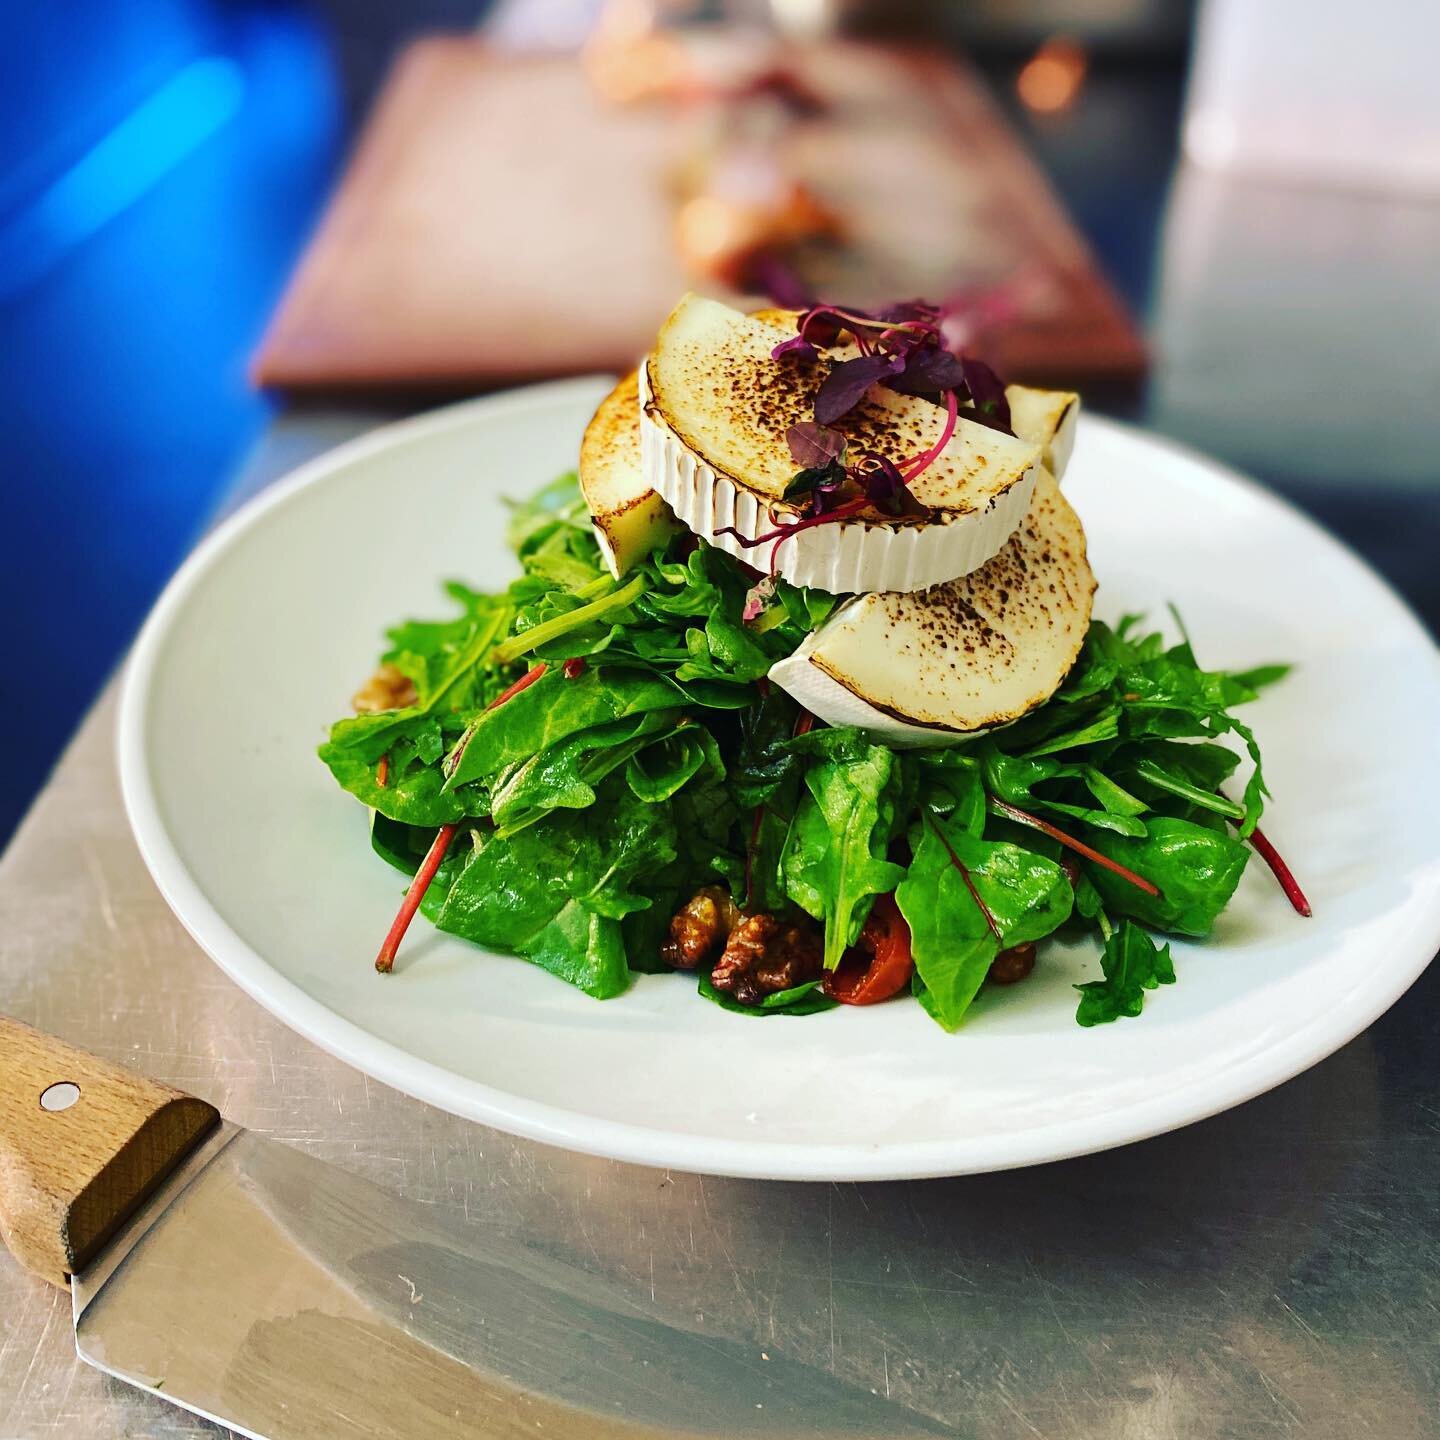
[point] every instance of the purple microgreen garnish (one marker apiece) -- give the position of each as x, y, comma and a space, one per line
797, 346
987, 390
815, 480
845, 386
833, 490
885, 487
921, 462
905, 347
813, 445
781, 533
881, 477
904, 311
819, 326
928, 370
744, 541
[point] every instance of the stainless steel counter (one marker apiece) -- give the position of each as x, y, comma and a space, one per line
1271, 1272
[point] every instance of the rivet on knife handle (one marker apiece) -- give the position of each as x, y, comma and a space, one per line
82, 1143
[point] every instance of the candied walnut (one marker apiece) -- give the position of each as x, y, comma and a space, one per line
699, 928
386, 689
1012, 965
765, 954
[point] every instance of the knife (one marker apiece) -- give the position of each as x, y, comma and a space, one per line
290, 1300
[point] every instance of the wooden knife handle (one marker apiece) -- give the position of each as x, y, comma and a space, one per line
82, 1143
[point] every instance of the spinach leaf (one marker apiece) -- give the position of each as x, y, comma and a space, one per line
416, 795
438, 655
723, 650
1261, 676
769, 835
952, 786
565, 774
765, 762
555, 509
765, 780
1170, 696
1195, 867
659, 770
404, 846
565, 623
706, 836
552, 709
1014, 778
444, 678
1133, 964
1027, 894
1098, 728
1204, 766
557, 891
835, 857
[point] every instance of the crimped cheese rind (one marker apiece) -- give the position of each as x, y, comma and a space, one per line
844, 557
715, 409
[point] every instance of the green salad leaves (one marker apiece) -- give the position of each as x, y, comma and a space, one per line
604, 748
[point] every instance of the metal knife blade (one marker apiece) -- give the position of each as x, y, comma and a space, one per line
290, 1300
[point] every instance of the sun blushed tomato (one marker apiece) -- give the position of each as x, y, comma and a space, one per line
879, 964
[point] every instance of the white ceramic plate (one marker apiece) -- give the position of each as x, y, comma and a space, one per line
263, 635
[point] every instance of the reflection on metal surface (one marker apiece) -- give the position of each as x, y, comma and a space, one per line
296, 1300
1267, 293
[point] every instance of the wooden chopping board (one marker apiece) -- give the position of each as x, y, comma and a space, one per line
501, 222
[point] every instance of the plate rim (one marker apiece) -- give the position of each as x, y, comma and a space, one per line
424, 1080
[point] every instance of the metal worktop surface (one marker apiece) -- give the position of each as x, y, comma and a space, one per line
1271, 1272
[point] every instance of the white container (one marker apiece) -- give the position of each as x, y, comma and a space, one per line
843, 557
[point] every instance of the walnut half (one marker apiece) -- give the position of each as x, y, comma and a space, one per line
386, 689
699, 928
765, 954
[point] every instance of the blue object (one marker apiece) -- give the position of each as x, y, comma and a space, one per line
162, 161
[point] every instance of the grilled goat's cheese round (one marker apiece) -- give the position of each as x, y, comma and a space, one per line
630, 519
938, 666
715, 411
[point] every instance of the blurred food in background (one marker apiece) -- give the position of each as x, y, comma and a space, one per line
761, 158
1051, 78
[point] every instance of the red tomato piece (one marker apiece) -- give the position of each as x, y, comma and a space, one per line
879, 965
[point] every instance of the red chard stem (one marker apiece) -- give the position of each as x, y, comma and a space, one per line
523, 683
1281, 871
1024, 817
959, 864
385, 960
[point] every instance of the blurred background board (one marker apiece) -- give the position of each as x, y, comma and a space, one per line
512, 217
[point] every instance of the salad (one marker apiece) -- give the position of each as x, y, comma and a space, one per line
798, 694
